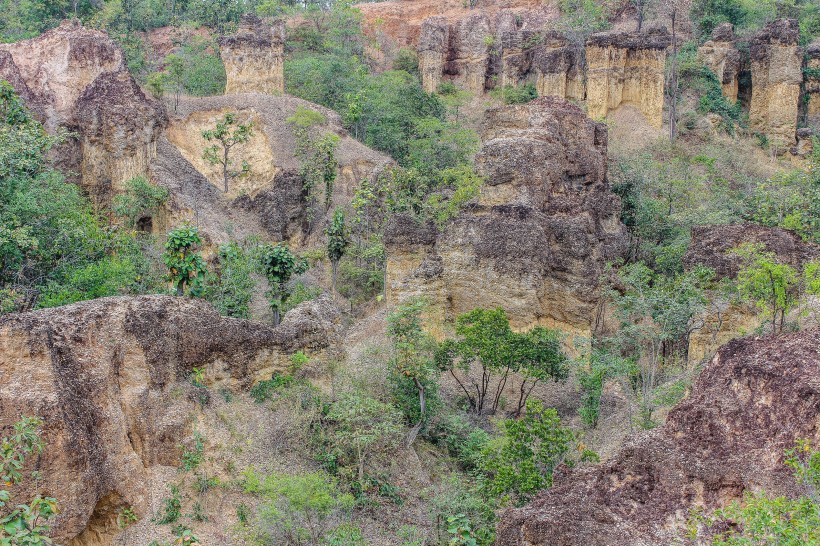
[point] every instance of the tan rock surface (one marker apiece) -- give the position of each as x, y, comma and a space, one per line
723, 58
749, 405
537, 240
111, 380
777, 74
254, 57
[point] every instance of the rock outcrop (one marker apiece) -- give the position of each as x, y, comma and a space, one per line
813, 84
111, 380
777, 74
254, 57
433, 47
75, 79
627, 68
723, 58
270, 200
539, 236
469, 52
711, 246
749, 405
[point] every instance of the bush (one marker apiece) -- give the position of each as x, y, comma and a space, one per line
230, 287
512, 94
407, 60
463, 440
264, 389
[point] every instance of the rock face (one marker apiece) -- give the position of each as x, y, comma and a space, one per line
76, 79
722, 56
710, 246
254, 57
777, 74
269, 200
433, 47
749, 405
627, 68
813, 83
537, 240
469, 52
111, 380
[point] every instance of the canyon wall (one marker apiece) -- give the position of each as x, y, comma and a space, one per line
254, 57
75, 79
813, 84
722, 57
750, 404
777, 74
111, 380
536, 241
434, 43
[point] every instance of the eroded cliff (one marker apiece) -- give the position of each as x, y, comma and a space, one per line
111, 380
729, 436
538, 238
254, 57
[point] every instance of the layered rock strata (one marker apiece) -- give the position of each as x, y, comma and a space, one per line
750, 404
536, 241
76, 79
626, 68
433, 47
111, 380
777, 74
254, 57
813, 84
723, 58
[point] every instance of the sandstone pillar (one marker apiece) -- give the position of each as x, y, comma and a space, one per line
473, 40
723, 58
433, 46
776, 77
813, 84
254, 57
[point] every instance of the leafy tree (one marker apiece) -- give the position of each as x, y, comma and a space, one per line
297, 510
520, 463
771, 285
219, 153
279, 265
487, 341
363, 425
413, 354
24, 524
230, 287
141, 199
338, 240
185, 266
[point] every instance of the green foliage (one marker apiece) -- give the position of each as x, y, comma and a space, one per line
279, 265
317, 155
24, 524
185, 266
227, 136
512, 94
296, 510
338, 239
456, 502
184, 537
191, 458
763, 280
171, 507
698, 78
264, 389
463, 439
126, 517
54, 249
230, 287
580, 18
141, 199
363, 426
487, 341
407, 60
763, 519
520, 463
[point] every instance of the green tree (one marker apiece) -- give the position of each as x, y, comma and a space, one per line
487, 342
279, 265
226, 139
185, 266
767, 282
141, 199
338, 240
230, 287
520, 463
364, 426
413, 354
22, 524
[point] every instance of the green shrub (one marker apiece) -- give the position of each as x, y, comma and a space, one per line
463, 440
511, 94
407, 60
230, 286
264, 389
171, 507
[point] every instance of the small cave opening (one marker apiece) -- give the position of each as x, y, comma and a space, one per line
145, 224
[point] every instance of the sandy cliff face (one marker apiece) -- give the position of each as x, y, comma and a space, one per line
749, 405
75, 79
254, 57
111, 380
624, 68
537, 240
813, 83
722, 56
777, 74
434, 43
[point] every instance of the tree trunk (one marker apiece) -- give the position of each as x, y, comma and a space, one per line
225, 167
334, 269
411, 436
276, 317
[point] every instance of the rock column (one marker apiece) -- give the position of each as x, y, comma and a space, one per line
813, 84
254, 57
723, 58
433, 45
